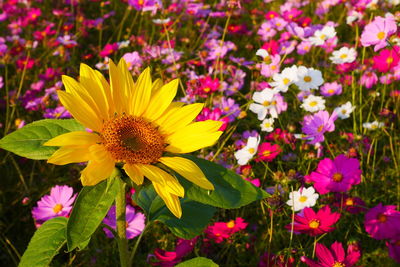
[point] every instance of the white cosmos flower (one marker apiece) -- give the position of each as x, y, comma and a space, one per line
373, 125
265, 104
320, 36
283, 80
267, 125
246, 153
344, 110
305, 197
313, 103
343, 55
262, 53
308, 78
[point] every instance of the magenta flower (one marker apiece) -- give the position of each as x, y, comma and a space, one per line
314, 223
268, 152
394, 249
220, 231
135, 222
57, 204
171, 258
109, 49
330, 89
387, 59
378, 31
314, 126
369, 79
336, 175
382, 222
335, 257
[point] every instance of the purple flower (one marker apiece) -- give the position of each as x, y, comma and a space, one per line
314, 126
135, 222
382, 222
229, 107
58, 203
394, 249
330, 89
336, 175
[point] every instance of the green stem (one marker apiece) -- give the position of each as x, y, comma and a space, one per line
120, 207
137, 244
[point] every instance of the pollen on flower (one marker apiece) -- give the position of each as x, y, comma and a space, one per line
314, 224
286, 81
382, 218
381, 35
57, 208
337, 177
303, 199
307, 79
230, 224
313, 103
338, 264
132, 140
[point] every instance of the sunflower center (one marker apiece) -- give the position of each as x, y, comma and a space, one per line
57, 208
132, 140
337, 177
314, 224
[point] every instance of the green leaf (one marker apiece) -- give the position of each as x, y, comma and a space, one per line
231, 190
28, 141
91, 206
195, 215
198, 262
45, 243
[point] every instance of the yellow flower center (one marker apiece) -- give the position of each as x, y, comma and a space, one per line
338, 264
349, 202
331, 91
132, 140
320, 128
322, 37
286, 81
57, 208
313, 103
230, 224
314, 224
337, 177
344, 111
266, 103
381, 35
303, 199
389, 60
207, 89
251, 150
266, 153
267, 125
273, 67
382, 218
307, 79
343, 56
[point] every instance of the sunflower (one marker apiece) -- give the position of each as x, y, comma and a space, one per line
135, 125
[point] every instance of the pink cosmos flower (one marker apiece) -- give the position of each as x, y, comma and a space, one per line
268, 152
215, 114
171, 258
387, 59
353, 205
58, 203
378, 31
220, 231
315, 125
270, 66
109, 49
135, 222
334, 257
314, 223
382, 222
394, 249
369, 79
207, 86
337, 175
330, 89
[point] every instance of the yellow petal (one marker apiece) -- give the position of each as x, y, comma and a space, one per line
107, 90
189, 170
141, 93
96, 172
70, 154
157, 84
99, 153
76, 138
80, 110
127, 77
157, 175
172, 201
195, 136
178, 118
134, 173
161, 100
89, 79
119, 94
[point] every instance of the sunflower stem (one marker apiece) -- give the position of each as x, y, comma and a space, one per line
120, 207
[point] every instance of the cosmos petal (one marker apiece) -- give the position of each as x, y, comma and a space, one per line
172, 201
189, 170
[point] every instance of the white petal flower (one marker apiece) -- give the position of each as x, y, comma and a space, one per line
308, 78
283, 80
373, 125
265, 104
320, 36
305, 197
246, 153
267, 125
344, 110
343, 55
313, 103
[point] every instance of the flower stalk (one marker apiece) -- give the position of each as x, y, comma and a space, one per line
120, 207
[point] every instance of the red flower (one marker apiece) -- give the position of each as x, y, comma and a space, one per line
220, 231
309, 222
268, 152
109, 49
335, 257
386, 59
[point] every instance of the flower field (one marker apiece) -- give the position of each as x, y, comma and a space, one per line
200, 133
